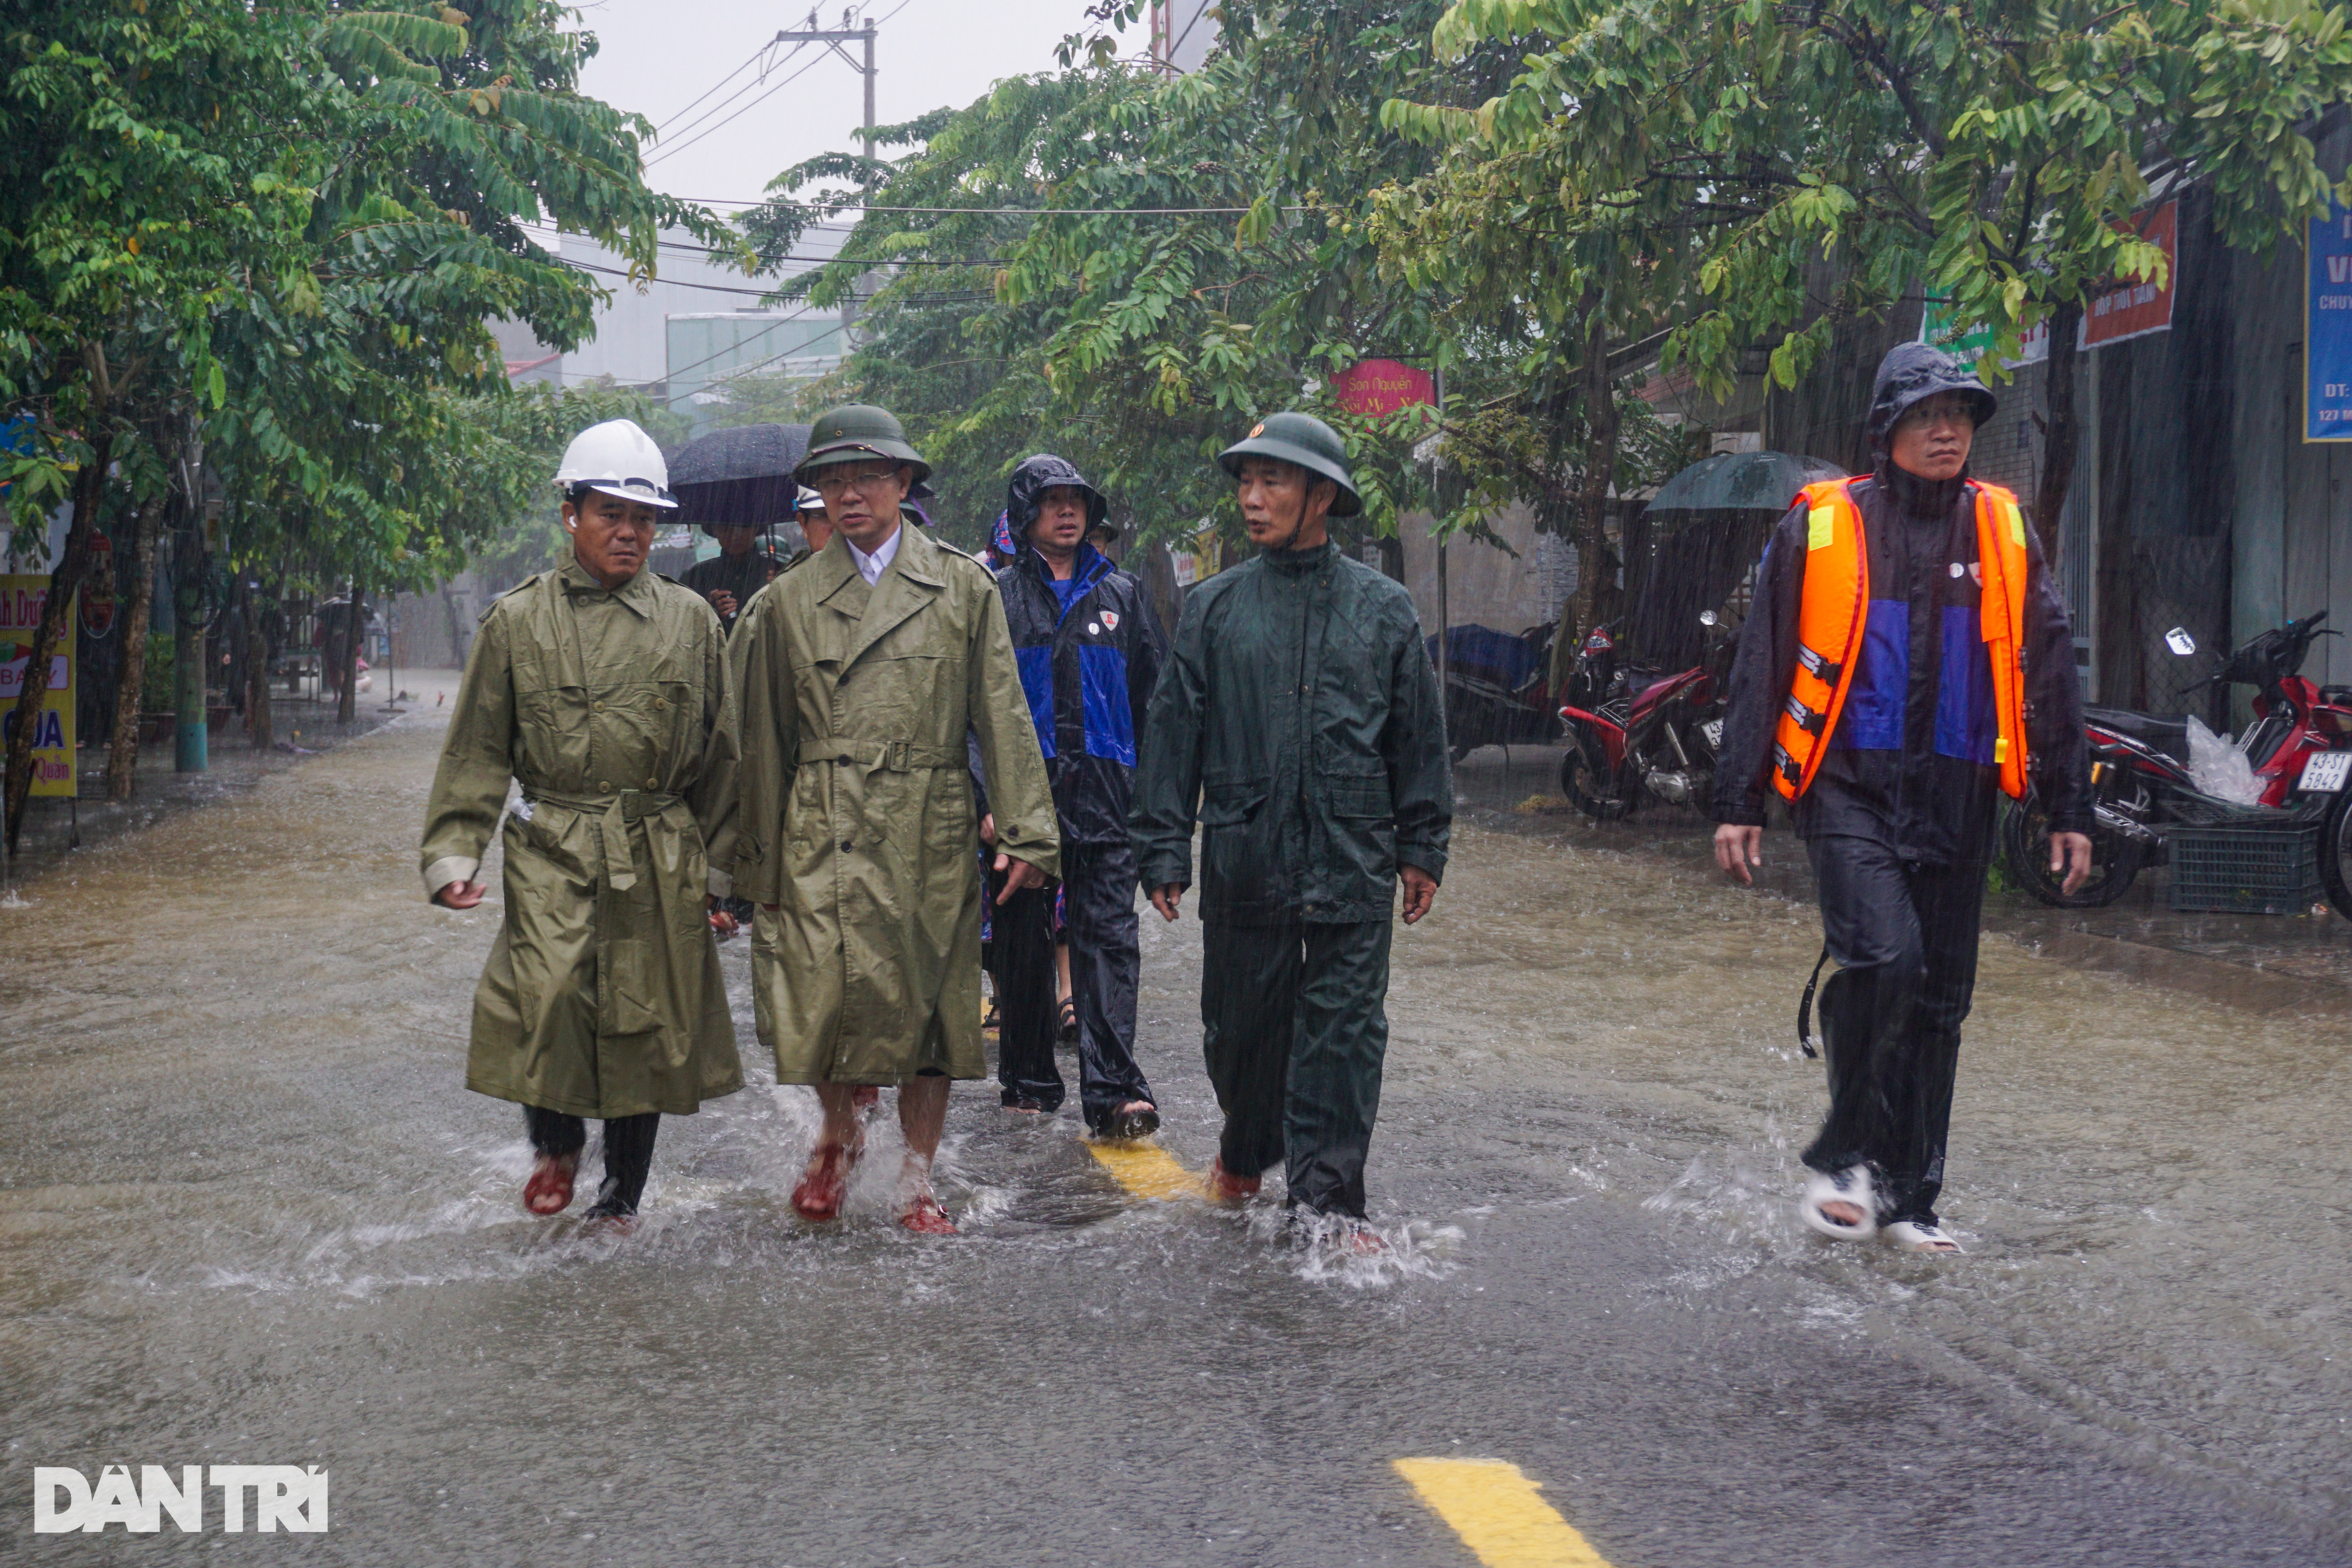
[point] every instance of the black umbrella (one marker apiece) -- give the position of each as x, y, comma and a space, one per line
742, 476
1697, 542
1740, 481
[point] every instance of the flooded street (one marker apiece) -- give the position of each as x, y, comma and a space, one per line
248, 1215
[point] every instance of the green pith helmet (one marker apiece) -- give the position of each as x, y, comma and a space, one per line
856, 430
1303, 440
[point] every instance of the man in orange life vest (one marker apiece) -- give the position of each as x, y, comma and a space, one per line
1907, 656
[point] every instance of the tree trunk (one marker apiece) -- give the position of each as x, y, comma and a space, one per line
2061, 440
347, 706
130, 695
259, 719
1601, 427
89, 492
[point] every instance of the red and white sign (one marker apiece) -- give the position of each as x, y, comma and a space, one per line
2143, 307
1379, 386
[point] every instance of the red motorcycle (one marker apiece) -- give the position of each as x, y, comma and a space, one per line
1637, 734
2297, 747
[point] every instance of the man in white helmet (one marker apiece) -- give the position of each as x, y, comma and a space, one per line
599, 689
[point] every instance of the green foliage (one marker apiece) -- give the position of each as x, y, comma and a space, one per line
283, 230
1139, 342
1996, 155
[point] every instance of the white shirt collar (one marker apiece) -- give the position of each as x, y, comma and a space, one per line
871, 568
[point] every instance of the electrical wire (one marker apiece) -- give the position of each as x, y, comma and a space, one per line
700, 121
721, 125
1011, 212
748, 63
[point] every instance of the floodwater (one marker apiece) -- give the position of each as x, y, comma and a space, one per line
248, 1215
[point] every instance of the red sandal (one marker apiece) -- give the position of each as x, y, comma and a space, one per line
1225, 1187
549, 1191
826, 1182
924, 1217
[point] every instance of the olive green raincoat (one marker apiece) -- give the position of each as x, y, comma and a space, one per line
857, 816
603, 996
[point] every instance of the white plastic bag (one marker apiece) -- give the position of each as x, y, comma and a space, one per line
2219, 769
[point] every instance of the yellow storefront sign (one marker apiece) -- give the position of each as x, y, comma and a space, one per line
21, 599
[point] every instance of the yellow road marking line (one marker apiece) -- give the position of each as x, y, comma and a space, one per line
1145, 1169
1493, 1507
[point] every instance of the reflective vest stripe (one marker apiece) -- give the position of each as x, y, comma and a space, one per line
2001, 557
1830, 620
1833, 607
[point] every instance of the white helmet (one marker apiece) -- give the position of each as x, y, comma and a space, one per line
809, 501
617, 458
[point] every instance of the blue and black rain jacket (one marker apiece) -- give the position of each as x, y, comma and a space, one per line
1087, 670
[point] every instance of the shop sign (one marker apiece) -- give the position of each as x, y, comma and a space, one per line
21, 598
2140, 308
2327, 327
1379, 386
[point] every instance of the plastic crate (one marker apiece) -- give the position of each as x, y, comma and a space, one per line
2245, 870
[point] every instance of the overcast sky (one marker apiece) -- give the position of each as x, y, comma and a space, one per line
658, 55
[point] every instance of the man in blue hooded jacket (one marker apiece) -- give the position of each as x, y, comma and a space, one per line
1090, 652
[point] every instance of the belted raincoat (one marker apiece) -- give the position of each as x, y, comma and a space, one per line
602, 997
856, 819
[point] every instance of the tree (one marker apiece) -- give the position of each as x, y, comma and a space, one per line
1133, 268
293, 222
1998, 156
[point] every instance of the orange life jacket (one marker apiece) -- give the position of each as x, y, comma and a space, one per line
1834, 610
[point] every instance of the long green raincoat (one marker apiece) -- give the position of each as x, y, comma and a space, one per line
856, 819
603, 996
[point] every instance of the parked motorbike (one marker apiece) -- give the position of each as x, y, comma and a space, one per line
1494, 688
2299, 746
1637, 734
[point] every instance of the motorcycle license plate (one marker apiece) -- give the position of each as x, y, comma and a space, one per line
2326, 773
1713, 731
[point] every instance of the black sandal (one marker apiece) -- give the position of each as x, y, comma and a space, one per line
1065, 1031
1125, 1126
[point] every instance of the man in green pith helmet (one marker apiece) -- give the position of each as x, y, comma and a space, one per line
1299, 709
862, 670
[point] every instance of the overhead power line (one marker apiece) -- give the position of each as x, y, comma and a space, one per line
1003, 212
720, 125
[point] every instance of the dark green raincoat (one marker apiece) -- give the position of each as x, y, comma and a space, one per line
1300, 708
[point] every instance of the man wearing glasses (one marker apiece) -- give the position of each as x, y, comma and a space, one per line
862, 674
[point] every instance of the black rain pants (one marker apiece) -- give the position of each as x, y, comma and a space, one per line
1295, 1025
1106, 962
1905, 937
629, 1150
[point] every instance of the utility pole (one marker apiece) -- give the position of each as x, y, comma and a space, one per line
833, 37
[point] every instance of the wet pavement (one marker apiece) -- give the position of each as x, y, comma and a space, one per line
248, 1217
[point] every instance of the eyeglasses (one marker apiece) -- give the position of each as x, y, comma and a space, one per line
833, 482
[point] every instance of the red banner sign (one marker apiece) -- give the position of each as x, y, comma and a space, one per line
1383, 387
2143, 307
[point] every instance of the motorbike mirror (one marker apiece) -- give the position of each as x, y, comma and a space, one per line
1706, 617
2179, 640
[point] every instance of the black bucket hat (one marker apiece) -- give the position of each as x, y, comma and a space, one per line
1303, 440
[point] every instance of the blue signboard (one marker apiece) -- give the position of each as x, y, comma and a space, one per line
2327, 328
